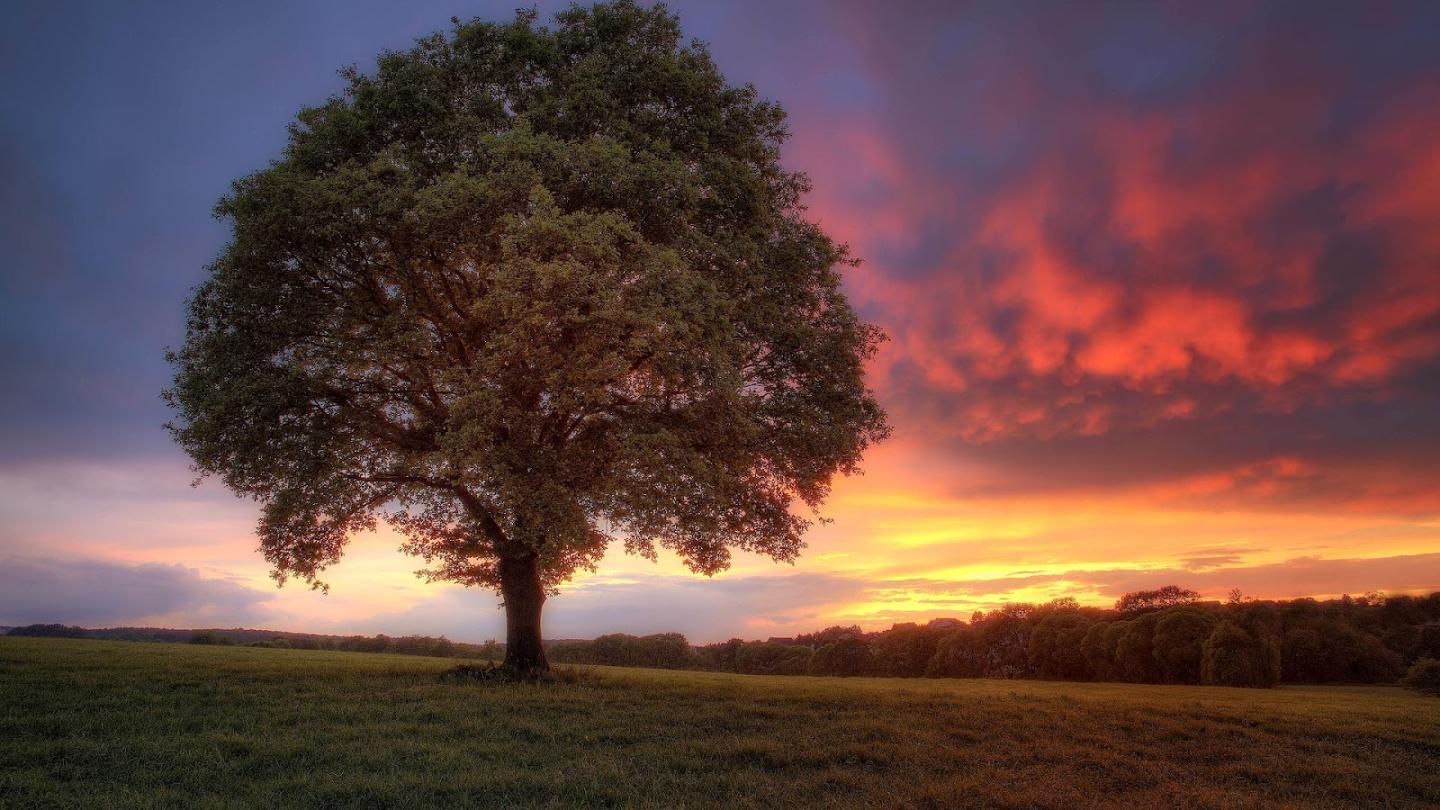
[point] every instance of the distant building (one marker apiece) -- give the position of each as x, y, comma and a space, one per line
944, 624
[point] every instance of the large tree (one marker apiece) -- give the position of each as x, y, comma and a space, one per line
519, 292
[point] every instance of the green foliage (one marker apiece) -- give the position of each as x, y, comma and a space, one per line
208, 637
1114, 632
772, 659
904, 651
1057, 646
1158, 599
1135, 656
1331, 651
1179, 643
522, 291
1424, 676
1098, 647
518, 292
1427, 643
422, 645
1004, 636
959, 654
847, 657
660, 651
829, 635
1234, 657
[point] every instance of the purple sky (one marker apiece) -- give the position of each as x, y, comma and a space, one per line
1162, 283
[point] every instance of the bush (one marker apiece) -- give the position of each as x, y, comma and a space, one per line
660, 651
957, 655
1179, 643
719, 657
846, 657
772, 659
207, 637
1098, 648
904, 650
1427, 646
1328, 651
1234, 657
1005, 635
1424, 676
1145, 601
1057, 646
1135, 651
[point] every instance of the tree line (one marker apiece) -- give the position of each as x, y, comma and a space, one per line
434, 646
1167, 635
1162, 636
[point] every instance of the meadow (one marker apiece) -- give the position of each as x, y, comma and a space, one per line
114, 724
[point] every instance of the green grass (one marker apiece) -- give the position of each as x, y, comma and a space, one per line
114, 724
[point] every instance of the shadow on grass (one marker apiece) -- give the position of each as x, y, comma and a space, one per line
498, 673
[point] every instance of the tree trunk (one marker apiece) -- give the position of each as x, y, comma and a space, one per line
524, 596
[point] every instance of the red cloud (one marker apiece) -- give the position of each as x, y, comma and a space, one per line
1112, 281
1096, 279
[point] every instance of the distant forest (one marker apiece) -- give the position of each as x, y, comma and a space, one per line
1162, 636
402, 645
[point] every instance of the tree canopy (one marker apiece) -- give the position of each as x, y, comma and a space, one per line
1143, 601
522, 291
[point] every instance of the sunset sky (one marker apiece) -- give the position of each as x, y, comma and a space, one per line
1161, 282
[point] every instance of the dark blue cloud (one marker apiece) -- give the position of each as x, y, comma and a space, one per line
120, 126
95, 593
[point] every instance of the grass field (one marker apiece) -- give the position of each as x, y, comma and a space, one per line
112, 724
